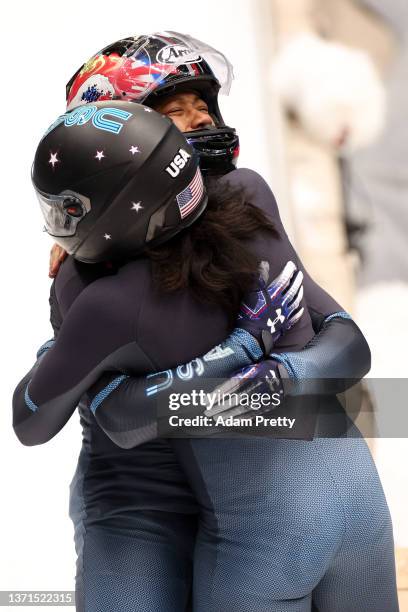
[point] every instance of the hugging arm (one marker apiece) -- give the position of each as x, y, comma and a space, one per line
333, 361
45, 399
126, 406
82, 357
98, 335
336, 358
93, 338
338, 355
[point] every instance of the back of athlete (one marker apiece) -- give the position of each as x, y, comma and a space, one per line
254, 525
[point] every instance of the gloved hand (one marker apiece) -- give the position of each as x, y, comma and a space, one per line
272, 308
241, 394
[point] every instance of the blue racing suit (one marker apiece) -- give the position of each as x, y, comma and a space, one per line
245, 525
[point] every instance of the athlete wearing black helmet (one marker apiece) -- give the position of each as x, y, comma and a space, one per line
114, 178
279, 523
151, 67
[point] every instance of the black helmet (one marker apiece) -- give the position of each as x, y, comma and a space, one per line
115, 177
144, 68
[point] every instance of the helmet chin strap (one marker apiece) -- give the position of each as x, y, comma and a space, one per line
217, 148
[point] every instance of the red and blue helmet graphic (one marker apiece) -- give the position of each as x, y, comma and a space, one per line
133, 68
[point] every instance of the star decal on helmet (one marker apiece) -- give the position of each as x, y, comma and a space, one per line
53, 159
133, 149
99, 155
137, 206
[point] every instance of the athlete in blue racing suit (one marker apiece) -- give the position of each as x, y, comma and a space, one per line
256, 524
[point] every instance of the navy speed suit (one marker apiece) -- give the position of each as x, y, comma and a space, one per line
250, 525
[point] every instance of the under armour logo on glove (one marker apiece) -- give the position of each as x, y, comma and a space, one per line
271, 309
279, 319
236, 396
272, 377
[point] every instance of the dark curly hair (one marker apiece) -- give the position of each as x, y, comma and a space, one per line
213, 257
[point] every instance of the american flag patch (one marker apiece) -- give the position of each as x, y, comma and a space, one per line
190, 197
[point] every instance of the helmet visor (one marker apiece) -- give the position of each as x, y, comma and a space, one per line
63, 212
220, 65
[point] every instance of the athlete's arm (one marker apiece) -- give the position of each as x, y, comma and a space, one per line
333, 361
96, 336
126, 407
339, 352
